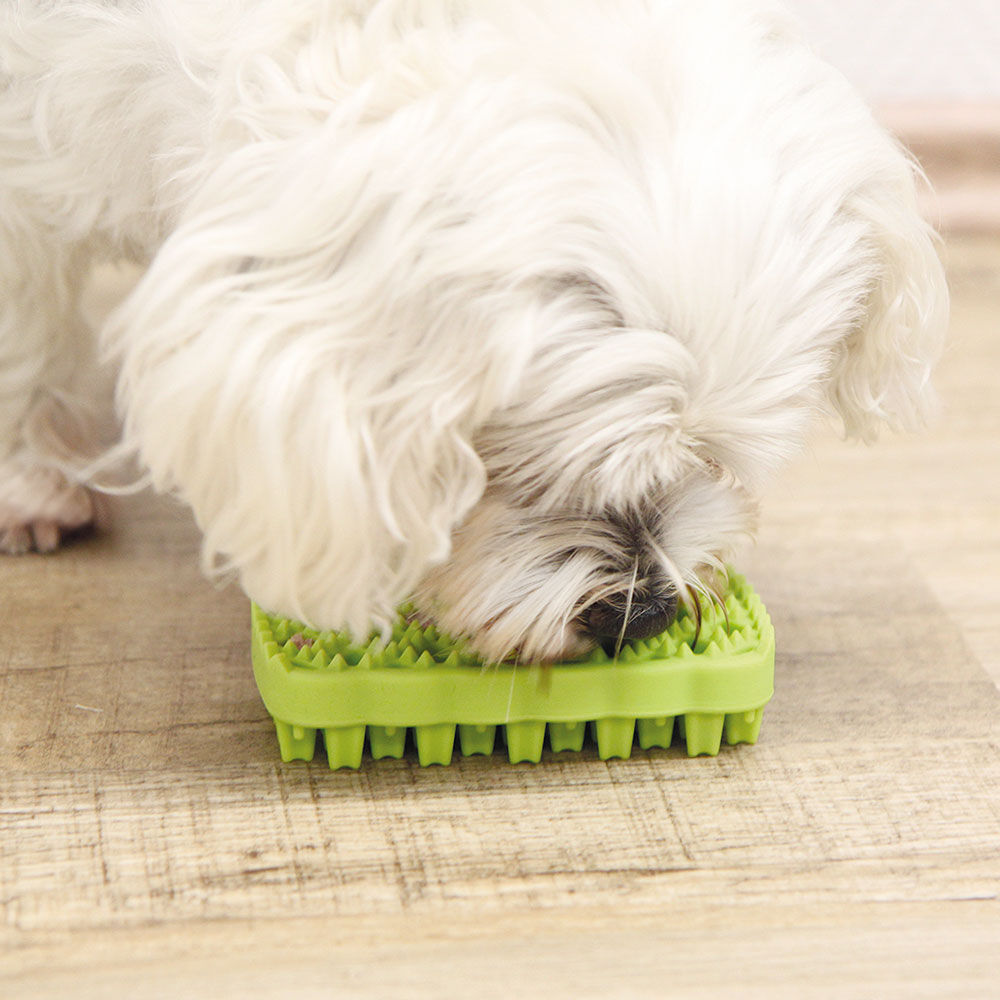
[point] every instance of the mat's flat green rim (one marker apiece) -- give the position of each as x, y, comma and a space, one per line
717, 681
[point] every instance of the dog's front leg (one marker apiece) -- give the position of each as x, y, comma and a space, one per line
44, 428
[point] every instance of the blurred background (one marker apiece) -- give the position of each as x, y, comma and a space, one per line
931, 68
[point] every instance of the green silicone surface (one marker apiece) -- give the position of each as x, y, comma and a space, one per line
702, 686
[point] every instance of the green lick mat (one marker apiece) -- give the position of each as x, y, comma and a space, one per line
712, 682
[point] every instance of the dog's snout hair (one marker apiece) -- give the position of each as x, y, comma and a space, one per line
649, 602
561, 581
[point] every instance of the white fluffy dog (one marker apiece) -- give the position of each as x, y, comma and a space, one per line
510, 306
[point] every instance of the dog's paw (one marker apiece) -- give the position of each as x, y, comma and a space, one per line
39, 506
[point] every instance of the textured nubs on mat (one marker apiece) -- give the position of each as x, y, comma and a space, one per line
699, 687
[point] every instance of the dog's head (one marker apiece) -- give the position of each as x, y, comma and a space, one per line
529, 325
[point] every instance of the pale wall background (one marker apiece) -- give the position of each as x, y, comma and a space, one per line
902, 51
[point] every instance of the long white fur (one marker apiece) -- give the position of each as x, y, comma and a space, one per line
442, 293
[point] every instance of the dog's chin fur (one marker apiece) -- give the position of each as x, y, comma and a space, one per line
514, 306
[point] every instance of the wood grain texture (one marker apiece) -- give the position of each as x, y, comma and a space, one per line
151, 844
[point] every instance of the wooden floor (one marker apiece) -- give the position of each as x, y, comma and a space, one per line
151, 844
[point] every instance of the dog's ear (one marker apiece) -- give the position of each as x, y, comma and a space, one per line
881, 374
284, 372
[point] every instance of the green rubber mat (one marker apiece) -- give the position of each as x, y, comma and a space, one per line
700, 685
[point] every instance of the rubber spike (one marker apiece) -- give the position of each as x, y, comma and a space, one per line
566, 735
703, 731
525, 741
743, 727
344, 746
387, 741
435, 743
295, 742
614, 737
655, 732
476, 739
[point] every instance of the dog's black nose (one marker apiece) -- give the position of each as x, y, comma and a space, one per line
647, 616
